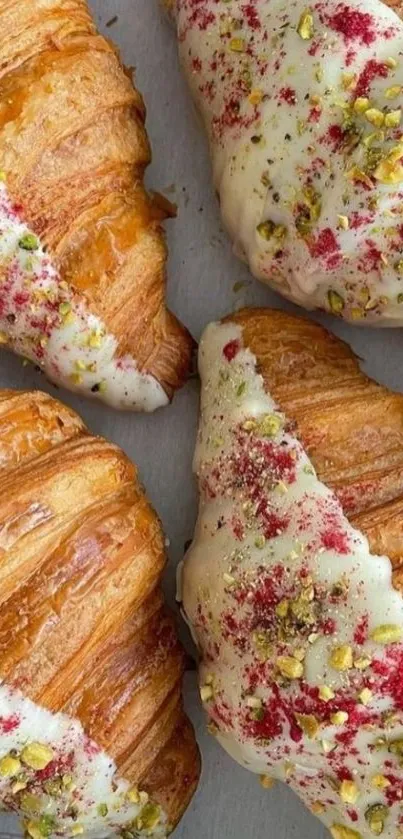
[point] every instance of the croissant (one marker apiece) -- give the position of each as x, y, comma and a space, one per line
293, 583
93, 737
303, 109
82, 252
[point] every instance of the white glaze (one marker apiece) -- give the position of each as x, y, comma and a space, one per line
266, 179
229, 568
43, 319
92, 772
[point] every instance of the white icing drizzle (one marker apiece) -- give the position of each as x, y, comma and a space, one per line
299, 627
302, 103
43, 319
79, 791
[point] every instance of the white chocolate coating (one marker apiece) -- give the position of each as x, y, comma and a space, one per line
299, 627
78, 791
43, 319
302, 104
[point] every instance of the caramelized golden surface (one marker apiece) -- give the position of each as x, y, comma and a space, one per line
74, 150
351, 427
83, 627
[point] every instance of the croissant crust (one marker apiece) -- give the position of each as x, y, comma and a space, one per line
73, 148
83, 626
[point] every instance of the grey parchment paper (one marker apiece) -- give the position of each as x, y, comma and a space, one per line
230, 803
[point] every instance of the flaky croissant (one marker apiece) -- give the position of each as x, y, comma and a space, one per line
93, 737
293, 583
303, 107
82, 252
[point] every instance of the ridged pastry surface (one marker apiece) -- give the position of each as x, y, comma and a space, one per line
82, 251
83, 627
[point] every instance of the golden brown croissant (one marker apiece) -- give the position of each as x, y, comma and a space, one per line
82, 253
93, 736
292, 583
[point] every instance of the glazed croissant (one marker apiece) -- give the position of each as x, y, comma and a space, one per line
303, 108
93, 737
291, 586
82, 253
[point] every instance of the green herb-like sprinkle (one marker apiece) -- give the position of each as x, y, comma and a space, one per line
29, 242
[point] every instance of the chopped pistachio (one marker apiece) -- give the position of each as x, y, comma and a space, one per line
76, 378
392, 118
266, 781
18, 785
361, 105
149, 817
362, 662
365, 696
390, 170
47, 824
30, 803
387, 633
270, 425
380, 782
95, 339
9, 766
349, 792
260, 542
309, 724
341, 658
29, 242
77, 830
356, 174
290, 667
396, 747
400, 298
375, 816
393, 91
289, 768
326, 693
317, 808
282, 608
37, 755
255, 96
347, 80
391, 63
206, 693
64, 308
249, 425
305, 26
374, 137
237, 45
343, 222
373, 157
340, 831
375, 117
33, 830
339, 717
336, 301
266, 229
